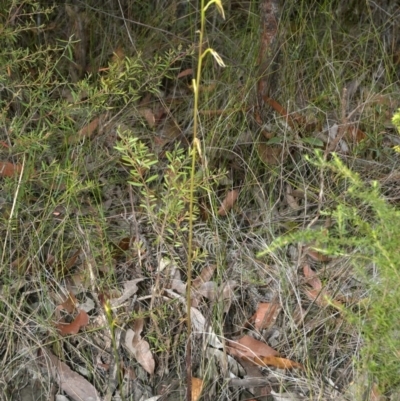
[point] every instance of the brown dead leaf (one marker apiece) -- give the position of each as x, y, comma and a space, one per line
318, 294
8, 169
74, 385
294, 119
249, 347
140, 348
73, 328
265, 315
207, 290
317, 256
205, 275
21, 264
144, 355
197, 388
130, 288
69, 304
277, 362
70, 262
184, 73
313, 279
148, 115
270, 155
375, 394
118, 55
354, 134
89, 129
228, 202
123, 246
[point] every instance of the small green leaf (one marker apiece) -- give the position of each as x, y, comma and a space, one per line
136, 184
276, 140
313, 142
152, 178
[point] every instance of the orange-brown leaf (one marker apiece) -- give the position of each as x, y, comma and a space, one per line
265, 315
8, 169
317, 293
228, 202
317, 256
354, 134
293, 119
249, 347
277, 362
73, 328
89, 129
197, 388
313, 279
184, 73
69, 304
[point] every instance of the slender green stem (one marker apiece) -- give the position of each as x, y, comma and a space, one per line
196, 83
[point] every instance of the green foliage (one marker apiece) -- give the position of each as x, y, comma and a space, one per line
396, 122
366, 229
164, 190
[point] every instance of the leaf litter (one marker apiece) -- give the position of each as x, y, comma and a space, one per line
208, 291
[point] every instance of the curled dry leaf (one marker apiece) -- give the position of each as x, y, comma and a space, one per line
249, 347
73, 328
228, 202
